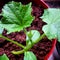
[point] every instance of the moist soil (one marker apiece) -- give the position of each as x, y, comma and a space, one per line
40, 49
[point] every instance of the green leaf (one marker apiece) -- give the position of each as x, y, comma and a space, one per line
11, 27
16, 16
52, 17
32, 36
29, 56
1, 30
4, 57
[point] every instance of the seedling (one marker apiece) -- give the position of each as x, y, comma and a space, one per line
17, 17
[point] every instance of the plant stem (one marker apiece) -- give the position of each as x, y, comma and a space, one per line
40, 38
18, 52
22, 51
25, 31
28, 47
12, 41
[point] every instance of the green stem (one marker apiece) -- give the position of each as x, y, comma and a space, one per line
40, 38
25, 31
12, 41
28, 47
18, 52
22, 51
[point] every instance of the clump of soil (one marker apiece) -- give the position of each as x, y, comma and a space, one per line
40, 49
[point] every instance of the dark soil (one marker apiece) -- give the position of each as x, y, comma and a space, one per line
40, 49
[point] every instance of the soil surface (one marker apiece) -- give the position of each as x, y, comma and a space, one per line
40, 49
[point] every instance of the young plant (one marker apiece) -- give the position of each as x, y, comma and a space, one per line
17, 17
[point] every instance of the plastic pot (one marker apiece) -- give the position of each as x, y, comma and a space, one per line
49, 56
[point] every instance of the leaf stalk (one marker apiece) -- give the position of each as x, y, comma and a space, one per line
20, 45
